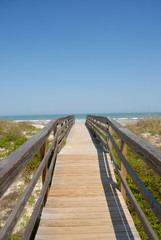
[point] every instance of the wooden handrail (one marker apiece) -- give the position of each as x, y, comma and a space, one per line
147, 152
150, 154
12, 166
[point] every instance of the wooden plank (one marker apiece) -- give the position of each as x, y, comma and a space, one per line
84, 202
98, 136
77, 222
13, 218
16, 162
153, 203
39, 202
12, 166
84, 229
98, 129
150, 154
82, 209
99, 125
147, 227
102, 236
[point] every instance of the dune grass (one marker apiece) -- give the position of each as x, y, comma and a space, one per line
147, 125
152, 181
12, 136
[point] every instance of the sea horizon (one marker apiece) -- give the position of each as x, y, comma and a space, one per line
80, 117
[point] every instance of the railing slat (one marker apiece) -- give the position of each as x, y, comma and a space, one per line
103, 135
153, 203
101, 140
39, 202
11, 166
150, 154
99, 125
13, 218
148, 229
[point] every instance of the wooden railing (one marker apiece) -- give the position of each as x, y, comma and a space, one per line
13, 165
102, 127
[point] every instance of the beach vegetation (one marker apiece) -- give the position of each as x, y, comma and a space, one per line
12, 136
146, 125
151, 128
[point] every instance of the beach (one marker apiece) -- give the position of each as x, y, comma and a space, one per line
81, 117
149, 134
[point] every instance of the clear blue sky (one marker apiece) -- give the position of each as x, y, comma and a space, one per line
79, 56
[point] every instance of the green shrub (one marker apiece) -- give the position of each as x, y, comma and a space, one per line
151, 180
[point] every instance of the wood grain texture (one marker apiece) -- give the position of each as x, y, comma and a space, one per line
84, 202
150, 154
123, 169
123, 133
11, 166
21, 156
153, 203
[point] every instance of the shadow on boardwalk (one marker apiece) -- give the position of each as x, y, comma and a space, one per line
120, 223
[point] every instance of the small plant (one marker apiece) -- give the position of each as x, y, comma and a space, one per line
151, 180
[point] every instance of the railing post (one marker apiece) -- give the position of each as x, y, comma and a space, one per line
45, 171
108, 139
123, 169
54, 132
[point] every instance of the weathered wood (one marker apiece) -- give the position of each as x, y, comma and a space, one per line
98, 136
39, 202
109, 141
63, 119
103, 135
64, 128
13, 218
19, 160
153, 203
123, 169
61, 136
42, 154
45, 171
11, 166
150, 154
99, 118
64, 136
132, 140
99, 125
143, 150
147, 227
84, 200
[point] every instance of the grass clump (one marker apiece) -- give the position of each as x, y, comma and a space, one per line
150, 179
147, 125
13, 135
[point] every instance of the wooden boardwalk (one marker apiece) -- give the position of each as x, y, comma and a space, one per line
84, 202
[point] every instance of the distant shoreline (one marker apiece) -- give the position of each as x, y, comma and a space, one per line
80, 118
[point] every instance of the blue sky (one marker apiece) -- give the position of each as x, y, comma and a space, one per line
80, 56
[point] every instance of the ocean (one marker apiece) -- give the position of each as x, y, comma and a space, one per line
80, 118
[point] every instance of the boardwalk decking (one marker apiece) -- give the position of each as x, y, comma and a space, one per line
84, 202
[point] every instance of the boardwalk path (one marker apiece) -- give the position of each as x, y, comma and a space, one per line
84, 202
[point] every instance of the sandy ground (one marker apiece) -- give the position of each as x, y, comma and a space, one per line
12, 195
10, 198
